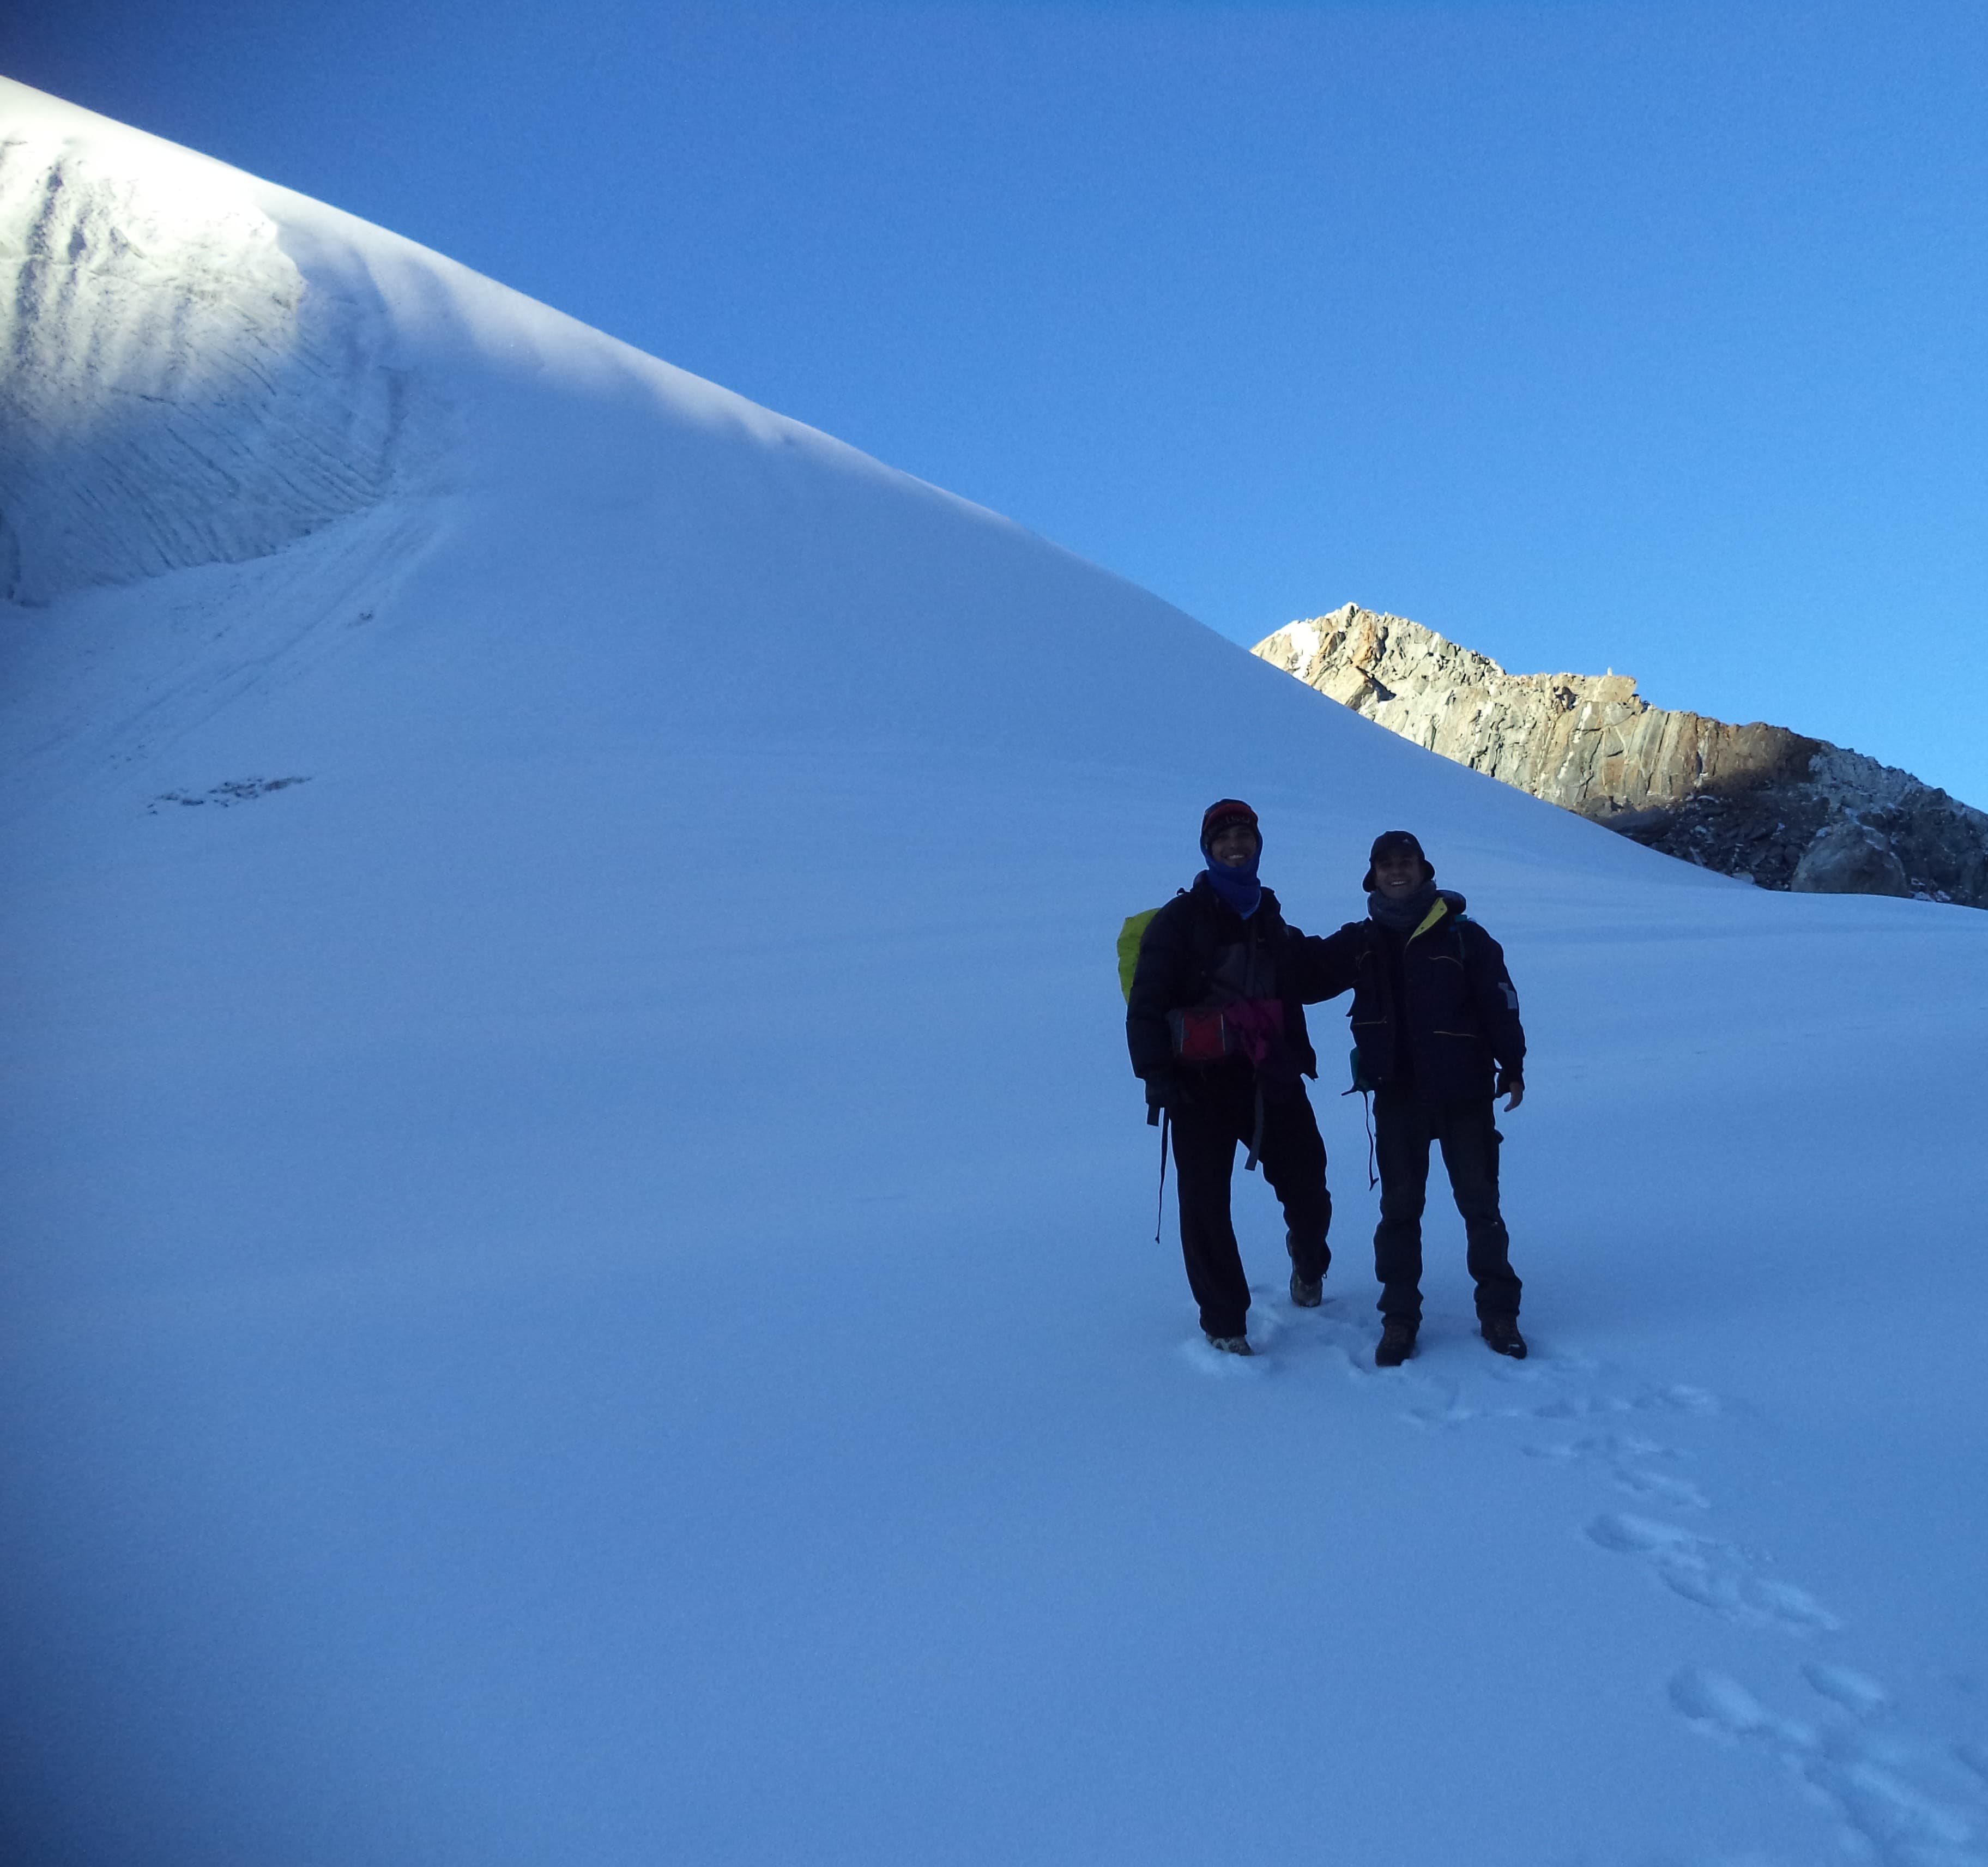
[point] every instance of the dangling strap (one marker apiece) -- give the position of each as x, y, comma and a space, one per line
1256, 1134
1366, 1102
1160, 1217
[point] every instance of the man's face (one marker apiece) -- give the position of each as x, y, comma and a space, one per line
1233, 844
1398, 873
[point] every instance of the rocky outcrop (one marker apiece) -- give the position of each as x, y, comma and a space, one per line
1849, 858
1784, 809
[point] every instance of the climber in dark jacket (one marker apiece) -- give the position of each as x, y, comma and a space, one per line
1215, 1024
1434, 1015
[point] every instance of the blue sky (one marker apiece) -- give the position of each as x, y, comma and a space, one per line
1639, 335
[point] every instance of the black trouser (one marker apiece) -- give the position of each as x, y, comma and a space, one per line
1403, 1128
1206, 1133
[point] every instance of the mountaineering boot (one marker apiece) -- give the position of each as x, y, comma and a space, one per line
1231, 1344
1502, 1332
1308, 1293
1397, 1343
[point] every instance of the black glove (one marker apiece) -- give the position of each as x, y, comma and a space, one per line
1167, 1090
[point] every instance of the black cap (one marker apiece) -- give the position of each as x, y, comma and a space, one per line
1391, 840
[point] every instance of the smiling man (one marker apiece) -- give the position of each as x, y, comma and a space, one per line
1215, 1021
1434, 1013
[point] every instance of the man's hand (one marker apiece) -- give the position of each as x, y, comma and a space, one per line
1166, 1090
1512, 1086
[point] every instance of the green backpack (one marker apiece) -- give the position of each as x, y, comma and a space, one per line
1130, 937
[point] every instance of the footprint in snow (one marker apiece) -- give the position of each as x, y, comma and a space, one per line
1645, 1398
1272, 1315
1897, 1797
1218, 1364
1627, 1458
1714, 1574
1900, 1800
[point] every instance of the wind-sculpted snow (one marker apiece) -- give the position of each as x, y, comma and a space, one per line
177, 391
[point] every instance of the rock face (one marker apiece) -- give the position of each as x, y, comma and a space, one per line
1784, 809
1849, 858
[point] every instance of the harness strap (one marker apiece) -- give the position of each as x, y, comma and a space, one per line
1160, 1216
1256, 1133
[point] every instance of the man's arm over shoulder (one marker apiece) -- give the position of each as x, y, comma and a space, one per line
1329, 965
1496, 997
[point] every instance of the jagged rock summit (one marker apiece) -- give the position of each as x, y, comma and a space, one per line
1784, 809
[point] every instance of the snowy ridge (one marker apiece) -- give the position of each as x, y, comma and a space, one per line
201, 367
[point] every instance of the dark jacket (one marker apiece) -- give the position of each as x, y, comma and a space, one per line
1198, 951
1434, 1010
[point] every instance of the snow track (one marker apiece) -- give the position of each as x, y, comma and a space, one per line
1897, 1794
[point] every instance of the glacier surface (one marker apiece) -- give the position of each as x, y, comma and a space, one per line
580, 1283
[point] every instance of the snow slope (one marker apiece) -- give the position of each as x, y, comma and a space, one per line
580, 1283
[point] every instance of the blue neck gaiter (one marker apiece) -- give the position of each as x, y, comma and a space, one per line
1238, 887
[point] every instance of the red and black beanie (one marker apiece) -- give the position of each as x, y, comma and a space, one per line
1389, 840
1227, 810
